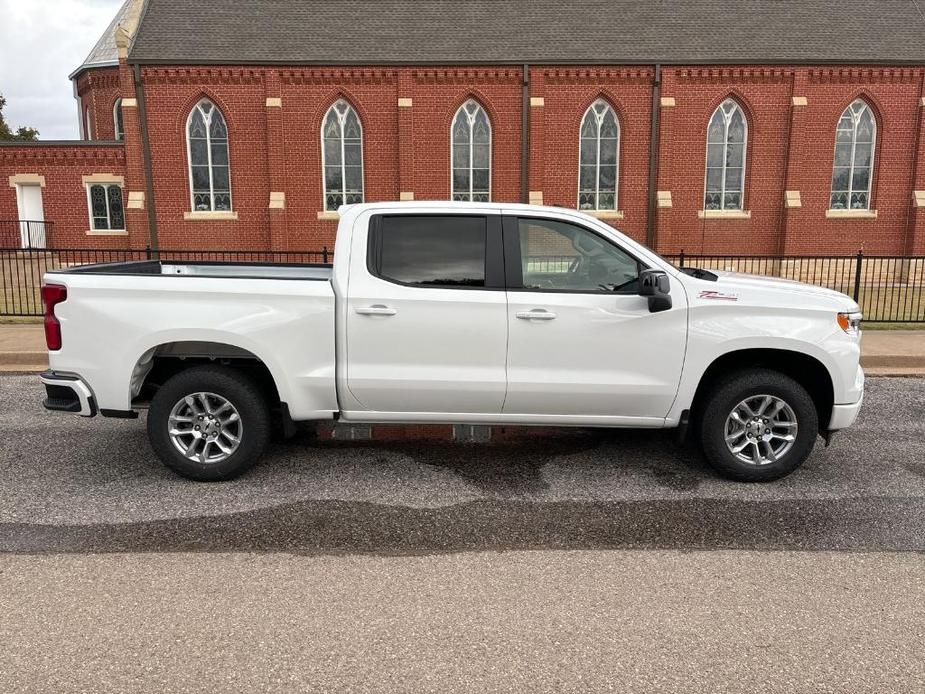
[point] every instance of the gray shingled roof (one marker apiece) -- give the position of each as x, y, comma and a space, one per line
534, 31
105, 51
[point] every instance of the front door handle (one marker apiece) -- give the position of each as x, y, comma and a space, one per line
536, 314
377, 310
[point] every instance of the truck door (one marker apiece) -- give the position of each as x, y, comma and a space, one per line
427, 315
582, 341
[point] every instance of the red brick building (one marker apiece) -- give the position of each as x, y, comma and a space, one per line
736, 128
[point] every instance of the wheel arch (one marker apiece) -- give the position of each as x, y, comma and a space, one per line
162, 361
804, 368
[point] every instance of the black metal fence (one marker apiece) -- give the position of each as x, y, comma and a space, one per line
889, 289
21, 269
23, 233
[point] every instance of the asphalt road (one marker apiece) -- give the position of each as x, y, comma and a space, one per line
584, 561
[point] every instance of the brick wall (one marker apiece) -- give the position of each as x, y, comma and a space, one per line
98, 90
792, 113
64, 197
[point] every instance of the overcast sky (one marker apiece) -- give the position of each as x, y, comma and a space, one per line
41, 43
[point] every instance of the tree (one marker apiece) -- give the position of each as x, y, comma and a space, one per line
21, 133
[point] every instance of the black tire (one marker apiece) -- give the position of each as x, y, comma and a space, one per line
723, 399
238, 389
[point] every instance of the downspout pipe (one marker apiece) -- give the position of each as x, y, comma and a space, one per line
653, 157
525, 137
146, 156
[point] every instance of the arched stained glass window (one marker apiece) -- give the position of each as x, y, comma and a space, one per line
209, 168
855, 139
727, 139
599, 158
470, 138
342, 156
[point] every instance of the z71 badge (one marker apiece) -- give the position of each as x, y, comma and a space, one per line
718, 296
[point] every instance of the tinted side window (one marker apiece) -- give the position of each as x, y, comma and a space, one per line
558, 256
433, 251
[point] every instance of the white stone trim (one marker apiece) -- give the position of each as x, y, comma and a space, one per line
724, 214
798, 101
405, 102
792, 198
277, 200
27, 180
210, 216
663, 197
851, 214
329, 214
667, 102
274, 102
108, 178
537, 101
406, 195
536, 197
130, 102
136, 200
604, 214
106, 232
918, 198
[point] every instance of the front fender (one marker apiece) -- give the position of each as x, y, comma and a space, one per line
801, 334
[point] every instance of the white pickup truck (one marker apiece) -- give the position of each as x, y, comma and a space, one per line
455, 313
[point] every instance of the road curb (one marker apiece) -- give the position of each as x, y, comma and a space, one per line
20, 358
909, 361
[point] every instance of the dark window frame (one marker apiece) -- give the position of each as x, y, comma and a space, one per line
512, 257
494, 257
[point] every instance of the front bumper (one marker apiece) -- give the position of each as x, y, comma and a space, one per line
843, 416
68, 393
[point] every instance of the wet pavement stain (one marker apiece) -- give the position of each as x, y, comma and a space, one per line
340, 527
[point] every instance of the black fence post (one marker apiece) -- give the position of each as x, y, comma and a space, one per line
148, 252
324, 254
681, 259
857, 276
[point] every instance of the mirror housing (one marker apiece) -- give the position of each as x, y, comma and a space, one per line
655, 285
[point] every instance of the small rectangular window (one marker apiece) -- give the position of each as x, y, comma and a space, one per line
432, 251
105, 203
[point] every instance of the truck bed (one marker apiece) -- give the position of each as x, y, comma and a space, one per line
266, 271
118, 316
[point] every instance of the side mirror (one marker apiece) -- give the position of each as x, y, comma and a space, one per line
655, 285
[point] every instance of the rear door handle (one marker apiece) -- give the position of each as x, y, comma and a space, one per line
536, 314
377, 310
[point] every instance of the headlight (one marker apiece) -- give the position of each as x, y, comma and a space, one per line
850, 322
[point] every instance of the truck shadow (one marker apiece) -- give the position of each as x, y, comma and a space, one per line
514, 466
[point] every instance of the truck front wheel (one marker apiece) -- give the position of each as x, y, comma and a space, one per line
758, 426
209, 423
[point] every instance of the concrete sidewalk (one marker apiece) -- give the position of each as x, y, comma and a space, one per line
885, 352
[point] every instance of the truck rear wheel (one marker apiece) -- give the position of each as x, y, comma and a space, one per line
758, 426
209, 423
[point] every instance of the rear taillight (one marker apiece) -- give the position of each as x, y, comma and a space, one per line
52, 295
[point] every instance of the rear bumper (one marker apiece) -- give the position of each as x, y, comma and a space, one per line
68, 393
